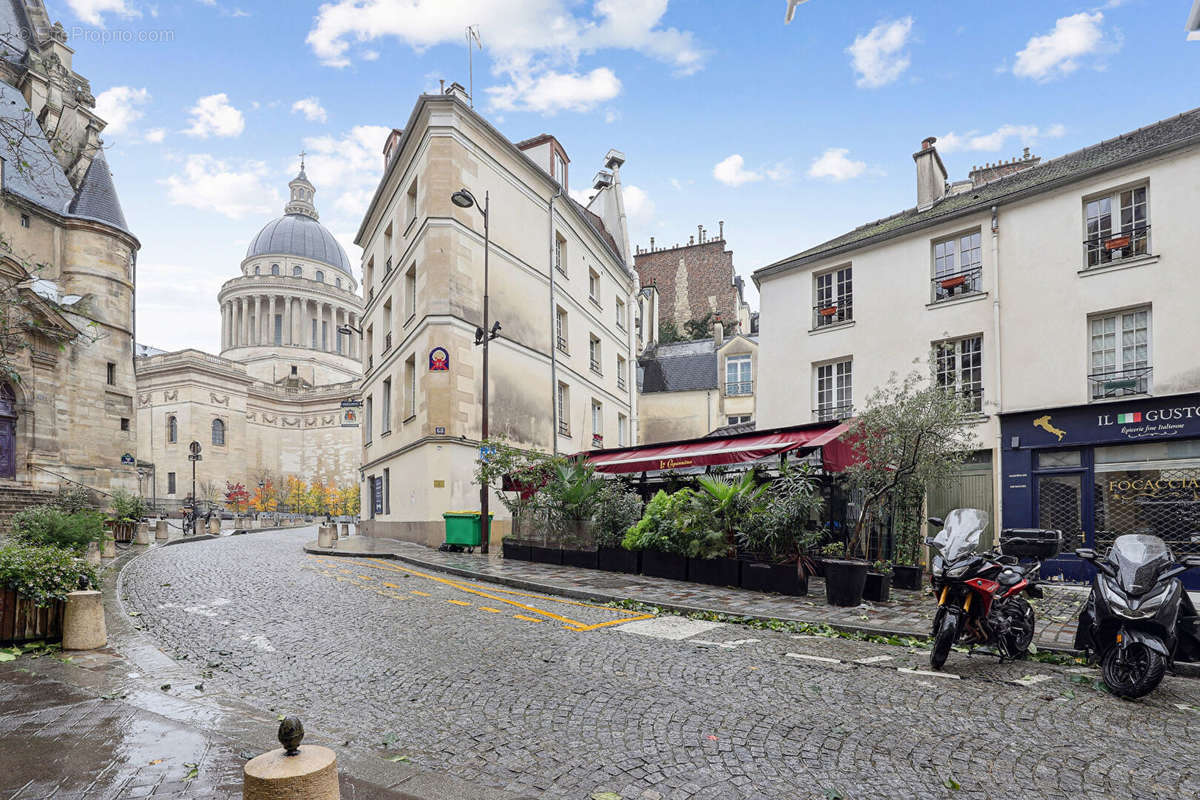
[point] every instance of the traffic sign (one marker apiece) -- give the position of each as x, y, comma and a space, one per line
194, 448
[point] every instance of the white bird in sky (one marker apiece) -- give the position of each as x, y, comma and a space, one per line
791, 9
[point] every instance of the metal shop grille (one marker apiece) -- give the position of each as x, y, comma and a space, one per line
1159, 502
1060, 507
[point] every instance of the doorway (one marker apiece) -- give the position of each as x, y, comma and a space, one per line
8, 432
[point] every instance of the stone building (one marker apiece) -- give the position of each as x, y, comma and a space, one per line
67, 266
561, 288
270, 404
694, 280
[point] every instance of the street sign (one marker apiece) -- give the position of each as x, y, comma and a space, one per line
439, 431
194, 448
127, 458
485, 452
195, 457
351, 404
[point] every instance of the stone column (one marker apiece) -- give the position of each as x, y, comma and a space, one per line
240, 334
223, 321
258, 304
271, 325
287, 320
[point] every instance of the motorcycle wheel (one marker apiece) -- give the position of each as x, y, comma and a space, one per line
944, 639
1021, 620
1138, 676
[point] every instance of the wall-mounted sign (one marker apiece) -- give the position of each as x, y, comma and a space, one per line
486, 451
439, 431
439, 360
439, 484
352, 404
349, 417
127, 459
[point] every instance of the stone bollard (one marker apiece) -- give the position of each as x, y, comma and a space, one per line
92, 556
214, 525
160, 530
83, 622
344, 528
326, 536
142, 534
308, 771
109, 548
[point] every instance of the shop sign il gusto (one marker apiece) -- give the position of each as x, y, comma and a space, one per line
1156, 423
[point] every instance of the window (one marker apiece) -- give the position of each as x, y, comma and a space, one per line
387, 325
1120, 354
278, 329
410, 292
293, 369
111, 374
274, 269
218, 433
385, 411
124, 423
368, 416
314, 334
564, 410
738, 377
960, 369
1104, 244
622, 430
411, 208
834, 391
594, 286
170, 483
594, 354
172, 430
739, 419
622, 366
597, 424
560, 329
620, 304
637, 320
24, 220
410, 387
337, 282
560, 254
297, 272
957, 266
257, 269
835, 298
320, 276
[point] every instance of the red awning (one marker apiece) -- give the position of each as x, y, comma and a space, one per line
706, 452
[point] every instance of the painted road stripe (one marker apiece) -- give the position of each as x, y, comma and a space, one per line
423, 594
366, 577
490, 610
873, 659
459, 602
724, 645
907, 671
392, 585
1030, 680
527, 619
807, 657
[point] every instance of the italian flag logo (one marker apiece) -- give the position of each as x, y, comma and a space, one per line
1123, 419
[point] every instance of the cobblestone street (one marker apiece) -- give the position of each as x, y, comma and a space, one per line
549, 697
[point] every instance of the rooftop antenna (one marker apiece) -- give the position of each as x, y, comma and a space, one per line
472, 37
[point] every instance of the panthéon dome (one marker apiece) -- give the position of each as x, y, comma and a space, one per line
298, 233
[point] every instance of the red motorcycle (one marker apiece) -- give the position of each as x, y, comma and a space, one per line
980, 594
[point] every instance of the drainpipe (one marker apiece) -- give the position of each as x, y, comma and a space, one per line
553, 335
997, 470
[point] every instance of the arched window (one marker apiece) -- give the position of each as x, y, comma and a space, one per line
218, 433
172, 430
274, 269
320, 276
257, 269
297, 272
338, 282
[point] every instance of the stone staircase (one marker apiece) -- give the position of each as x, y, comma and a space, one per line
16, 498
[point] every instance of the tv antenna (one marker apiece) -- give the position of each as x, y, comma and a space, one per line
472, 38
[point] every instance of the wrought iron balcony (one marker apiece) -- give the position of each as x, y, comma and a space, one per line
1119, 383
833, 312
833, 413
621, 382
595, 365
597, 440
1130, 241
387, 342
564, 428
739, 388
387, 266
562, 345
956, 284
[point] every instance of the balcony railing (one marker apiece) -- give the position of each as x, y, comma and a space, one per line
1119, 383
564, 428
1130, 241
739, 388
955, 284
562, 345
595, 365
598, 440
833, 413
387, 266
832, 312
621, 382
387, 342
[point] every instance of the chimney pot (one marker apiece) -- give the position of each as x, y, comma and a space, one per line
651, 244
721, 229
928, 142
691, 240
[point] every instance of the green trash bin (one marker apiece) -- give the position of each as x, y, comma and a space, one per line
462, 527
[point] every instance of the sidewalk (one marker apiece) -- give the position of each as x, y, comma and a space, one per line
909, 613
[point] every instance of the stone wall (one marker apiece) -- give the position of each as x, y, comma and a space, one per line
692, 280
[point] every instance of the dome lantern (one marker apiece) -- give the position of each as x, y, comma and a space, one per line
301, 201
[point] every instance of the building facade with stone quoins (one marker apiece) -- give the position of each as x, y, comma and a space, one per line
562, 374
269, 406
67, 265
694, 280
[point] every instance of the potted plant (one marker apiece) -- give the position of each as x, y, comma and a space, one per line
569, 498
617, 510
660, 535
34, 583
907, 516
128, 509
723, 508
516, 549
779, 534
845, 578
878, 587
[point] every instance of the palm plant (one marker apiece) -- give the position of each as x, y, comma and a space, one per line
728, 504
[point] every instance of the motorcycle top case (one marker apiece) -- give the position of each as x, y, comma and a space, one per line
1030, 542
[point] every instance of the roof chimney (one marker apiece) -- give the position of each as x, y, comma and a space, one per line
931, 175
456, 89
718, 333
721, 230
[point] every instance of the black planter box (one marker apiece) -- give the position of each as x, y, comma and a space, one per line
617, 559
516, 551
778, 578
844, 581
579, 558
545, 555
906, 577
664, 565
714, 571
878, 588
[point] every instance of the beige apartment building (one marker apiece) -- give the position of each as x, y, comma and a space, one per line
1058, 297
561, 288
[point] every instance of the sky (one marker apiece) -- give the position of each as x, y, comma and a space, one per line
789, 133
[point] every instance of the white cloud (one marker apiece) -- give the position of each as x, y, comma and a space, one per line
551, 91
351, 164
878, 56
311, 108
156, 135
92, 11
118, 107
214, 116
997, 139
835, 165
732, 172
1057, 53
581, 196
638, 205
213, 185
780, 172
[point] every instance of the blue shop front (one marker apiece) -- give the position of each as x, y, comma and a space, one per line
1101, 470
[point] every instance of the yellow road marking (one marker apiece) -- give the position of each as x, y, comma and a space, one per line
459, 602
423, 594
527, 619
366, 577
491, 610
610, 622
391, 585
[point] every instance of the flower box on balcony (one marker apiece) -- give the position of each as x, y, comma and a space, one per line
828, 311
1117, 242
597, 440
951, 283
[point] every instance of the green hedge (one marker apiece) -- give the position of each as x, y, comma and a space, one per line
44, 574
53, 527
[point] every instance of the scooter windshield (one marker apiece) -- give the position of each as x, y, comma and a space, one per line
962, 533
1138, 559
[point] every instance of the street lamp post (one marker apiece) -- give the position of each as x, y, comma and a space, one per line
464, 199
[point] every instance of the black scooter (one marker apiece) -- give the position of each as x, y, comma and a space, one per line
1138, 620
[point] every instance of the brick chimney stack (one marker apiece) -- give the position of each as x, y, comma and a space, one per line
931, 175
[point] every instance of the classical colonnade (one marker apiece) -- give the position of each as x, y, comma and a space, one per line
249, 321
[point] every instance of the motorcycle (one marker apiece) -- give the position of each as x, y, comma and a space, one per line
1138, 620
980, 594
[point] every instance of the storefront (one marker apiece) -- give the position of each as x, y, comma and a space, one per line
1098, 471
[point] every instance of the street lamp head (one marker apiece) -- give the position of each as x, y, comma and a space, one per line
463, 198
